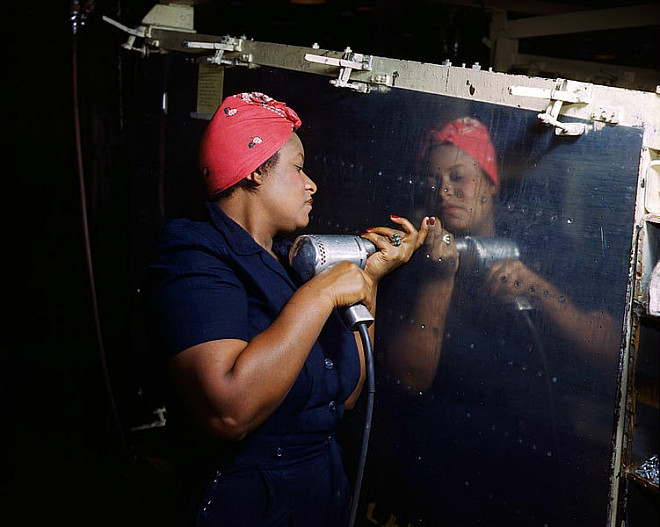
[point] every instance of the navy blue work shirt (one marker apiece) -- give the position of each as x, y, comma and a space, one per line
212, 281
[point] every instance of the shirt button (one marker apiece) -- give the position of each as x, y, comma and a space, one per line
329, 439
278, 452
332, 406
329, 364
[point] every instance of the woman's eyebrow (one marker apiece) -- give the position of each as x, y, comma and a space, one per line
450, 167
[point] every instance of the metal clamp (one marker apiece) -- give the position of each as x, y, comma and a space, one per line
561, 128
230, 44
564, 91
133, 34
347, 64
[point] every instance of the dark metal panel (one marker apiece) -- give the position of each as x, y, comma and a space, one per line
518, 425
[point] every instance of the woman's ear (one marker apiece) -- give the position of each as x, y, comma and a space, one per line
256, 177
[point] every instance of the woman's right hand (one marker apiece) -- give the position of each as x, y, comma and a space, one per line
344, 283
440, 250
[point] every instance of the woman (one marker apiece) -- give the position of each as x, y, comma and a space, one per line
264, 367
463, 185
478, 440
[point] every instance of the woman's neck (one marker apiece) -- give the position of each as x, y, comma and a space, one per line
246, 213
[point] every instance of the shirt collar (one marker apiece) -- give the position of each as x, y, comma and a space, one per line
235, 235
239, 239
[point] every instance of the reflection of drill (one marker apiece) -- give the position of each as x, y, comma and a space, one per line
480, 254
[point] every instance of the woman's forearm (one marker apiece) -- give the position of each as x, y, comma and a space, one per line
414, 354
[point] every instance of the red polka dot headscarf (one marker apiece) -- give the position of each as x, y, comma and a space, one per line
472, 137
245, 131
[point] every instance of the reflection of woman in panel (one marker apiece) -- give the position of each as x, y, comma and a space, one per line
478, 431
463, 185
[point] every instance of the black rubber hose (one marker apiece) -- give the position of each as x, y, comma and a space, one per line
88, 251
371, 390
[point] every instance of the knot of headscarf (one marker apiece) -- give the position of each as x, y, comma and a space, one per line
245, 131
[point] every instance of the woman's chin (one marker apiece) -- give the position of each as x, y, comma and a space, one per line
454, 226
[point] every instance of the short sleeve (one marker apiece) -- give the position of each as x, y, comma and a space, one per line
195, 296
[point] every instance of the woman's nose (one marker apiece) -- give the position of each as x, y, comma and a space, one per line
310, 185
448, 189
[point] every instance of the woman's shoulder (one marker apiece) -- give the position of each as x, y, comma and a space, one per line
197, 239
185, 230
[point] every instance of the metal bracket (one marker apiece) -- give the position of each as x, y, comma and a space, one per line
228, 43
564, 91
175, 17
159, 422
349, 62
133, 34
652, 190
605, 116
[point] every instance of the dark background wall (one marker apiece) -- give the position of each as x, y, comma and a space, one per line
72, 352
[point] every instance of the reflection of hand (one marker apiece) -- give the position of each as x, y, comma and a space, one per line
511, 279
395, 247
593, 332
441, 250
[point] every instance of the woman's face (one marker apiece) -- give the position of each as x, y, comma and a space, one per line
287, 191
460, 193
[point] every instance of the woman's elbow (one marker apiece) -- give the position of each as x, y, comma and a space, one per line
226, 428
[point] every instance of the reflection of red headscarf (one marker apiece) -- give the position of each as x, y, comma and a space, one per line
245, 131
472, 137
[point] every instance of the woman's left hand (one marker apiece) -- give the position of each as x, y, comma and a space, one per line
395, 247
511, 280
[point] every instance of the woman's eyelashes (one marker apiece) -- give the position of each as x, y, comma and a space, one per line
455, 176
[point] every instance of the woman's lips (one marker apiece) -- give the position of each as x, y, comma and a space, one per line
450, 210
